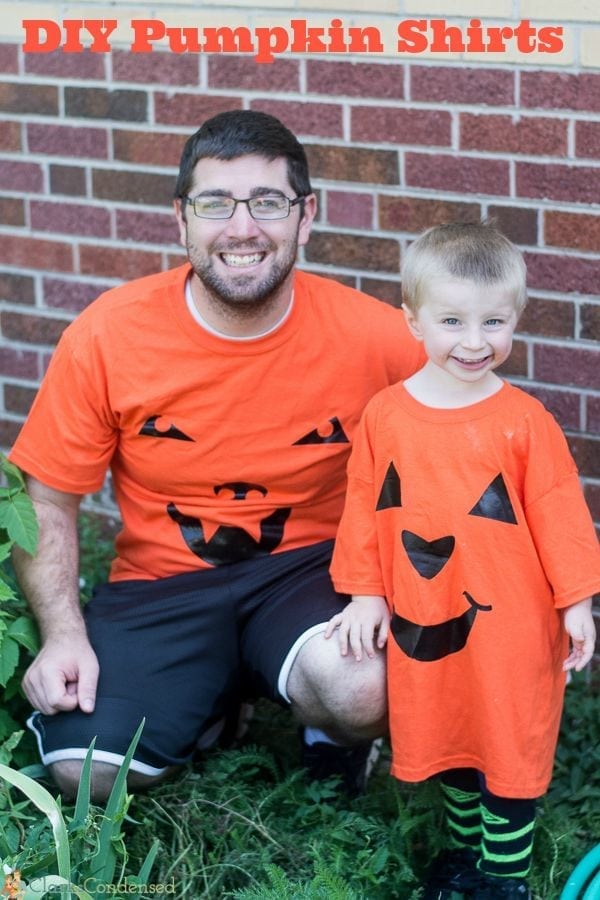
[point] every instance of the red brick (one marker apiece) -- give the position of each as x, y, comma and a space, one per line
151, 148
243, 74
353, 164
517, 364
349, 210
548, 318
116, 262
12, 211
354, 252
586, 452
16, 363
560, 90
70, 295
74, 66
315, 119
32, 329
176, 258
459, 174
401, 126
69, 180
18, 399
100, 103
20, 176
587, 139
146, 227
10, 137
502, 134
70, 218
27, 99
518, 223
67, 140
564, 405
353, 79
190, 109
415, 214
388, 291
9, 59
160, 67
8, 432
563, 229
17, 288
33, 253
590, 322
133, 187
593, 414
480, 86
550, 272
567, 366
576, 184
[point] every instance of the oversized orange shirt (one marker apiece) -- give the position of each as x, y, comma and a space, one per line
473, 524
220, 450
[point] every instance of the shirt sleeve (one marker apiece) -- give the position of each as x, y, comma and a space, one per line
558, 516
355, 567
70, 434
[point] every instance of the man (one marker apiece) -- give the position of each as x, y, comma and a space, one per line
223, 396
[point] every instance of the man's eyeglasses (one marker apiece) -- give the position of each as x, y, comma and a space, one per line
264, 207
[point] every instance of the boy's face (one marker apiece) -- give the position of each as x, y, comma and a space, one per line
466, 328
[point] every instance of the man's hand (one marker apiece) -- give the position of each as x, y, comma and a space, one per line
63, 676
363, 618
579, 625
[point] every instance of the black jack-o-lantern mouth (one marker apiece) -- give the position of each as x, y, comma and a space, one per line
428, 643
229, 543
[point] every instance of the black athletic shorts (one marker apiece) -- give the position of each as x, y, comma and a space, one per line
182, 651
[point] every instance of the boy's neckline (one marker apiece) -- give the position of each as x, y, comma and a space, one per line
418, 392
480, 401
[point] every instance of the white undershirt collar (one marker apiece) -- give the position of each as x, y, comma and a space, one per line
189, 299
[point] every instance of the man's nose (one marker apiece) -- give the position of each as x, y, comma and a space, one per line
241, 225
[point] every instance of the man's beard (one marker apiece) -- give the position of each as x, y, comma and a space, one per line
241, 296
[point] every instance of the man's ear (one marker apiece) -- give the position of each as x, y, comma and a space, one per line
181, 220
310, 211
412, 320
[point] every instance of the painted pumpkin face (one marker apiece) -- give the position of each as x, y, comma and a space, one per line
428, 558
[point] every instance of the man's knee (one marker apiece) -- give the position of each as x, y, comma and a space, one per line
338, 693
67, 775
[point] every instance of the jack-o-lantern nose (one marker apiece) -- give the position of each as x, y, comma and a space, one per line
427, 557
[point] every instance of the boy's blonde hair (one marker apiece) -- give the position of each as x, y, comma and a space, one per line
469, 251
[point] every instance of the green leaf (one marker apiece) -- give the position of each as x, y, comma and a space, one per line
24, 631
9, 659
17, 516
14, 475
5, 550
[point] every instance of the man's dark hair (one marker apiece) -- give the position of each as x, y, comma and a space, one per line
236, 133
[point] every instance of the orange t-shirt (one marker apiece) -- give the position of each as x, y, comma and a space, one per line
473, 524
220, 450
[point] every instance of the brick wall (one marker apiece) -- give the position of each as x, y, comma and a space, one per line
90, 143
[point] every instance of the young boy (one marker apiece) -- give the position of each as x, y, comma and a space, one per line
468, 548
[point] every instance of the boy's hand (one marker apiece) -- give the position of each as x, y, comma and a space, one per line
579, 625
363, 618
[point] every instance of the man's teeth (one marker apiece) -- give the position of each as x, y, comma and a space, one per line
248, 259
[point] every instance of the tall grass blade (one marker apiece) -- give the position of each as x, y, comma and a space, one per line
48, 805
82, 804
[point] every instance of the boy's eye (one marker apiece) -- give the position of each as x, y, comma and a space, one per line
450, 320
494, 321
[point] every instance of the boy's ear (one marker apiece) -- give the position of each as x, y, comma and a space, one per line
413, 322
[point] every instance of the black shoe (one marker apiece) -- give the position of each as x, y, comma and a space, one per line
453, 874
492, 887
352, 765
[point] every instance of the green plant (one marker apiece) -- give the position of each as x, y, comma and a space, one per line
18, 633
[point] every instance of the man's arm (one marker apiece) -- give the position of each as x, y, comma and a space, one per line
64, 674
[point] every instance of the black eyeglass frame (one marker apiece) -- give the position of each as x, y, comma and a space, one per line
291, 201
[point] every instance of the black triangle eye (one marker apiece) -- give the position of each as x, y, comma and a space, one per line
390, 494
495, 503
336, 435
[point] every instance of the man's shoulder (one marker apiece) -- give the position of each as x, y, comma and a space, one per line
329, 294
